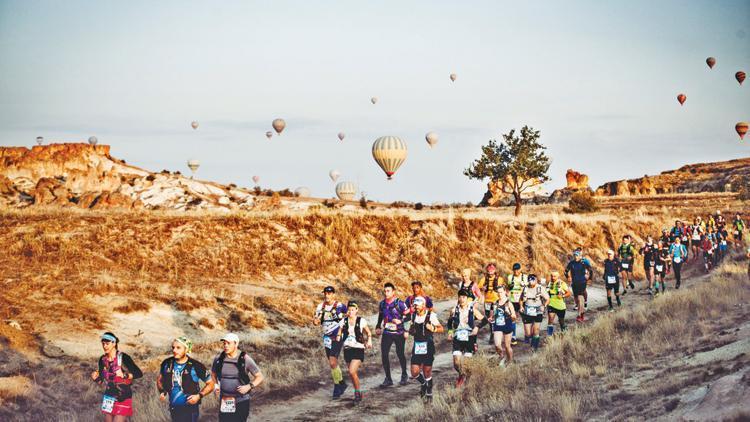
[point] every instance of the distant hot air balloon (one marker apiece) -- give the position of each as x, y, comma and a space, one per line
389, 152
278, 125
193, 165
374, 100
334, 175
681, 98
342, 135
194, 124
302, 192
256, 179
740, 76
93, 140
269, 134
711, 62
741, 129
39, 140
346, 191
431, 138
453, 77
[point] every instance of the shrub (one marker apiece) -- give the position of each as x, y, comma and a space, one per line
418, 206
581, 202
363, 202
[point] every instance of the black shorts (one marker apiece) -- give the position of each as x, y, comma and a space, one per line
465, 348
579, 288
647, 265
532, 319
629, 264
517, 307
335, 349
425, 359
559, 312
615, 287
354, 353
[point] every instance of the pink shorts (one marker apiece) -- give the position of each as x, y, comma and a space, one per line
122, 408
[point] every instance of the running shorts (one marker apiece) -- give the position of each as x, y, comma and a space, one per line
465, 348
423, 359
335, 349
579, 287
352, 353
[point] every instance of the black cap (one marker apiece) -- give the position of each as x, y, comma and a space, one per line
329, 289
516, 266
464, 292
352, 303
532, 277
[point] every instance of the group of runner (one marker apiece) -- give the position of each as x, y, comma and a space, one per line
503, 302
182, 381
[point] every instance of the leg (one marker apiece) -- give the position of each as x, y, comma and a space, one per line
108, 418
353, 372
508, 348
526, 332
498, 341
561, 317
535, 336
609, 297
457, 363
400, 344
550, 322
385, 350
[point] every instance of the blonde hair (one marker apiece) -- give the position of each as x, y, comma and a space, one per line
554, 273
466, 272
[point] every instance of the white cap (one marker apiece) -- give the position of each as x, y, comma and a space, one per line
420, 299
231, 337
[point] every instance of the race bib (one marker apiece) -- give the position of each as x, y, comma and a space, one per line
351, 341
420, 347
389, 326
723, 243
736, 233
697, 236
228, 405
659, 267
462, 335
625, 265
500, 319
108, 404
327, 342
677, 260
532, 310
611, 279
516, 296
651, 264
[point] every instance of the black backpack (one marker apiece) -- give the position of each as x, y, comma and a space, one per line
244, 377
357, 331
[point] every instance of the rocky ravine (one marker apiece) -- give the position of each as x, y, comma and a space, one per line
87, 176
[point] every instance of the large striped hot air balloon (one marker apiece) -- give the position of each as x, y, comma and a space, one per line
740, 76
681, 98
346, 191
741, 129
711, 62
389, 152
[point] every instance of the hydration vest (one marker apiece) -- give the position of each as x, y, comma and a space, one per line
455, 320
419, 330
357, 331
188, 385
244, 377
487, 283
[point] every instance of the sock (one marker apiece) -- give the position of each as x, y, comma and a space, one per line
609, 300
535, 342
618, 301
420, 378
336, 375
526, 339
550, 330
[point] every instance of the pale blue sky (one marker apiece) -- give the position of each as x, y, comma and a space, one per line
599, 80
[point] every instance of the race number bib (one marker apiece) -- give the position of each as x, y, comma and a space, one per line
228, 405
462, 335
499, 319
108, 404
611, 279
651, 264
532, 310
351, 341
625, 265
677, 260
659, 268
723, 243
327, 342
420, 347
736, 233
697, 236
389, 326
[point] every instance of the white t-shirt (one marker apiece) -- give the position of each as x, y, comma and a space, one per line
329, 314
419, 319
351, 339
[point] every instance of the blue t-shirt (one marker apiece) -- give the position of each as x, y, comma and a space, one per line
176, 396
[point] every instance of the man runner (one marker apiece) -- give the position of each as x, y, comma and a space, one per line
462, 331
179, 382
424, 323
329, 314
611, 278
235, 375
578, 272
649, 253
558, 290
391, 325
515, 284
738, 225
626, 254
491, 284
534, 299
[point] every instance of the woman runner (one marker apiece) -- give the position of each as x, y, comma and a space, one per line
116, 372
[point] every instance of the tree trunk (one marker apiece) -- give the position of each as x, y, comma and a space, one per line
517, 197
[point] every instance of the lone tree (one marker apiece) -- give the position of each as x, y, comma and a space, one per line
517, 163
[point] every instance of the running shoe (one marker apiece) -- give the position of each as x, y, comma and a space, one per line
579, 319
423, 390
336, 391
513, 341
502, 363
586, 304
387, 382
357, 397
404, 380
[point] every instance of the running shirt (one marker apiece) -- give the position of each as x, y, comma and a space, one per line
502, 315
330, 316
696, 232
390, 311
419, 331
678, 252
230, 375
649, 255
515, 285
116, 386
533, 299
577, 271
177, 397
490, 285
739, 225
626, 252
463, 318
556, 302
351, 335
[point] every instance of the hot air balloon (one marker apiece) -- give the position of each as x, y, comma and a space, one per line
194, 124
269, 134
431, 138
389, 152
741, 129
334, 175
302, 192
341, 136
711, 62
278, 125
740, 76
681, 98
193, 165
374, 100
93, 140
453, 77
346, 191
39, 140
256, 179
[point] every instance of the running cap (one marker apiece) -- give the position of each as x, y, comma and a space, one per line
352, 303
610, 252
516, 266
577, 253
420, 299
463, 292
329, 289
231, 337
491, 266
532, 277
109, 337
183, 340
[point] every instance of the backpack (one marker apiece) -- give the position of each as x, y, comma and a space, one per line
244, 377
357, 331
455, 320
188, 385
487, 283
383, 307
412, 326
333, 310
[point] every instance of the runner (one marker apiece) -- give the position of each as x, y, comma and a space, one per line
116, 372
695, 237
462, 331
329, 314
664, 239
585, 292
612, 278
558, 290
356, 336
235, 374
715, 240
468, 284
424, 323
179, 382
678, 253
649, 252
417, 291
738, 225
660, 268
676, 231
391, 319
626, 255
534, 299
491, 284
578, 272
502, 317
515, 284
720, 221
708, 252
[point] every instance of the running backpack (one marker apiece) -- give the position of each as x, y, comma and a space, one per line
244, 377
455, 320
334, 310
389, 308
487, 283
357, 331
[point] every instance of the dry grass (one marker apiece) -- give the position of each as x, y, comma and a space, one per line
13, 387
617, 342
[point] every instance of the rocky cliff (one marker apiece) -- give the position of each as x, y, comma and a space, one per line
693, 178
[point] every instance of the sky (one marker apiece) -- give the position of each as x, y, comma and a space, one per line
598, 79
